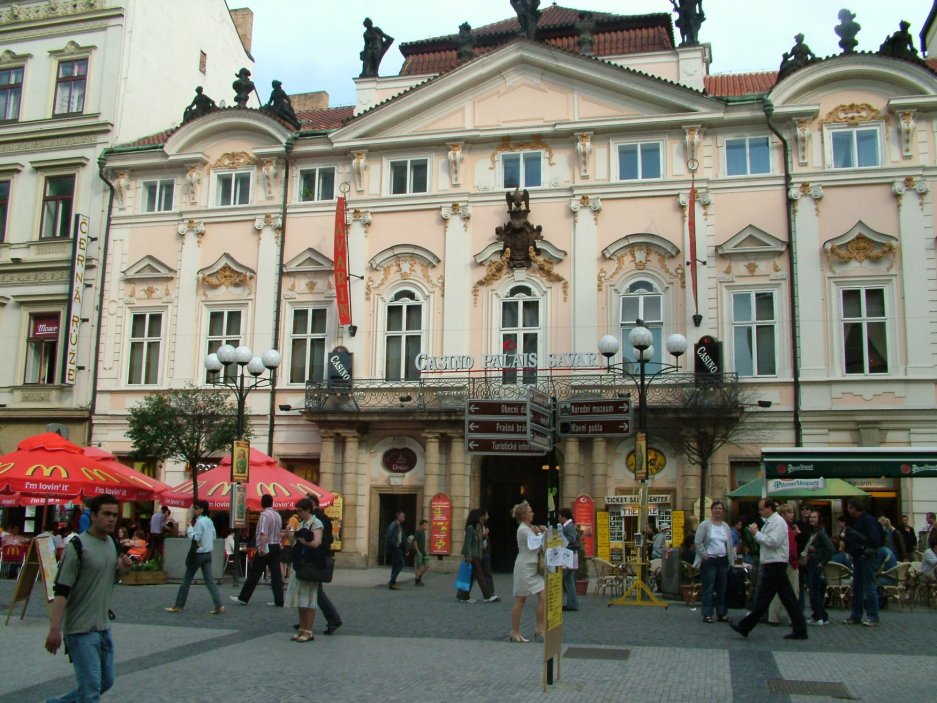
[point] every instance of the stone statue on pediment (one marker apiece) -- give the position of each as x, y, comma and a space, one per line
528, 14
799, 56
899, 45
846, 30
280, 105
518, 235
465, 43
243, 87
201, 105
690, 18
376, 44
585, 32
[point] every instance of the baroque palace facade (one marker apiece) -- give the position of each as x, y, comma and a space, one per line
812, 215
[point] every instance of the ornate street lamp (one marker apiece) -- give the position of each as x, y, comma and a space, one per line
641, 340
249, 375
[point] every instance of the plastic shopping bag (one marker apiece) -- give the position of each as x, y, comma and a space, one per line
463, 578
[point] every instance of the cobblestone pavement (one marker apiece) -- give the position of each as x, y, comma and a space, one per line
419, 644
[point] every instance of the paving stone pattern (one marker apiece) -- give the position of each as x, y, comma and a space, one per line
419, 644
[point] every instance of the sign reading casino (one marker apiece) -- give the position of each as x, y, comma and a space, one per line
466, 362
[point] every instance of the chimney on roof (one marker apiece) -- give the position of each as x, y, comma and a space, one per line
244, 24
318, 100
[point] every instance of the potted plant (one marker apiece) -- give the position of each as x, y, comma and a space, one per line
582, 571
145, 573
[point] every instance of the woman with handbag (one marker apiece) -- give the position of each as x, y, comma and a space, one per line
528, 576
472, 553
301, 593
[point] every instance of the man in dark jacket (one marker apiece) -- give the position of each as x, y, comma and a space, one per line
333, 620
863, 538
393, 548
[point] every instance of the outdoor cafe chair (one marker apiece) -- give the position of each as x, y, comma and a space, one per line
11, 559
838, 583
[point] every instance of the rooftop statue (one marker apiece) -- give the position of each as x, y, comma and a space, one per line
528, 14
690, 18
799, 56
847, 29
201, 105
585, 29
900, 44
243, 87
465, 44
376, 44
280, 104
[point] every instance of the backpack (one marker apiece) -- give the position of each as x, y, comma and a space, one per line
79, 550
327, 536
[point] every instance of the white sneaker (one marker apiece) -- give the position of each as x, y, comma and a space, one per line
493, 599
467, 600
235, 599
818, 622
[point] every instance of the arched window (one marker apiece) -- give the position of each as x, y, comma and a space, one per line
520, 335
403, 336
642, 301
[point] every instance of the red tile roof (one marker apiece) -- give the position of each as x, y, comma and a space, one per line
739, 84
614, 35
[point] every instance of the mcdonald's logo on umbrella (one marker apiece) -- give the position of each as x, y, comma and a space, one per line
47, 471
271, 488
99, 475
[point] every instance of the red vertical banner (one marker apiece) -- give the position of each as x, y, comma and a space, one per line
691, 227
342, 292
440, 524
584, 517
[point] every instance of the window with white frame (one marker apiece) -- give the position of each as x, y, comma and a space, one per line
42, 346
641, 301
403, 336
57, 199
409, 176
70, 84
307, 344
157, 195
747, 156
11, 93
146, 337
639, 161
865, 331
520, 335
233, 188
224, 327
316, 184
522, 169
754, 339
855, 147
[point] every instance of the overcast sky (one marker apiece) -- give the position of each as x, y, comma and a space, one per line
313, 45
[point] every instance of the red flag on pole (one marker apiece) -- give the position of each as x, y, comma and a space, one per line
691, 226
342, 292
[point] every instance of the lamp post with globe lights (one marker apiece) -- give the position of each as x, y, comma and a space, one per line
249, 375
641, 339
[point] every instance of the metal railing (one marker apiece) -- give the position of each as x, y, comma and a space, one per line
450, 393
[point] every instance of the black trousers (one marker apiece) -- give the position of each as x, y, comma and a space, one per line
773, 581
332, 618
260, 562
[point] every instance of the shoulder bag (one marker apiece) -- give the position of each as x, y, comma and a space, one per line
321, 573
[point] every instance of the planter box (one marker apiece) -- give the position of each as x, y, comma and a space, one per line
144, 578
582, 587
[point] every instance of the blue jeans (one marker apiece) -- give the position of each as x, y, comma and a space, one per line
714, 573
203, 562
864, 590
396, 563
92, 655
570, 598
817, 587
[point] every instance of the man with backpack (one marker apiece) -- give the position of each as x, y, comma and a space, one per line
83, 589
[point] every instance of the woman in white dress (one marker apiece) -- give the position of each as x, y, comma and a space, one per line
302, 594
527, 580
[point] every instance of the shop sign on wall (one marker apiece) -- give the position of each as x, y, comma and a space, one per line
601, 534
440, 524
399, 460
584, 517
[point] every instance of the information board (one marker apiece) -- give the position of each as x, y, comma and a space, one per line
601, 536
39, 561
440, 525
334, 513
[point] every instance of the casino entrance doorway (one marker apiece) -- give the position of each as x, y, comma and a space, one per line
506, 481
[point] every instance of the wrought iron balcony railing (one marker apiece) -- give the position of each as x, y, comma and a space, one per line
450, 393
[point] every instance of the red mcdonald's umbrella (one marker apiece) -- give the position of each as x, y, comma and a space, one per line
50, 468
266, 476
131, 475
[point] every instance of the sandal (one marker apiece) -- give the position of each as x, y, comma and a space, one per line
708, 620
518, 638
302, 636
724, 618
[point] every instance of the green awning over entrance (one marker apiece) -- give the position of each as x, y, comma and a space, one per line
834, 488
850, 462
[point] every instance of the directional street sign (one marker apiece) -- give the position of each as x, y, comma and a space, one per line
497, 408
484, 427
539, 419
595, 417
594, 427
514, 447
